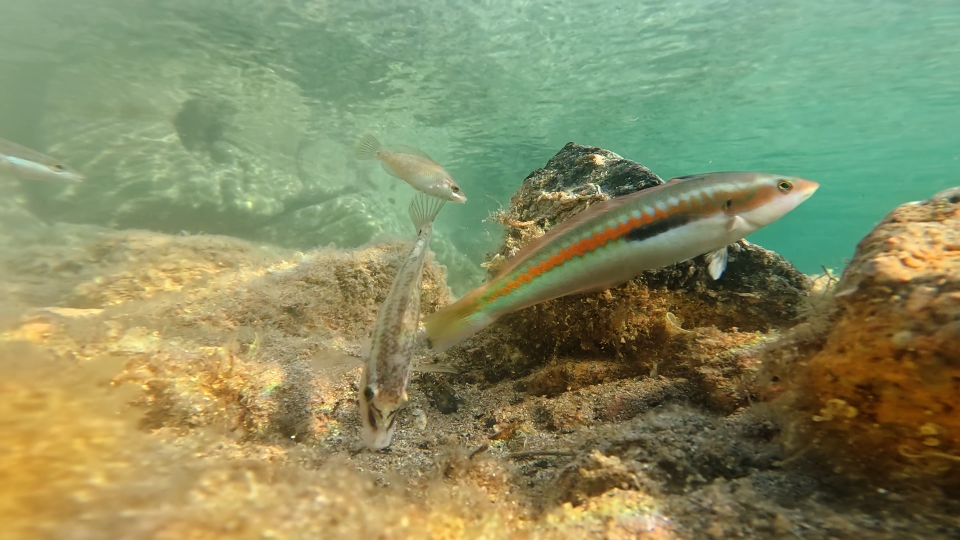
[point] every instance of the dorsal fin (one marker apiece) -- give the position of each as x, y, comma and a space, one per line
412, 150
678, 179
584, 216
716, 176
424, 209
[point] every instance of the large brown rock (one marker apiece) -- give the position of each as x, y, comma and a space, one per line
660, 319
880, 400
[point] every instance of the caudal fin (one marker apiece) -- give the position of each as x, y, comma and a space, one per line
368, 147
424, 209
456, 322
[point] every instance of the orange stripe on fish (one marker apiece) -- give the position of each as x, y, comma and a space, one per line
596, 241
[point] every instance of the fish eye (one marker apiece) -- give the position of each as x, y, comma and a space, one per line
456, 189
785, 186
368, 393
56, 167
728, 204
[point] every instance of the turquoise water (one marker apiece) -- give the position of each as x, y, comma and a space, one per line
862, 96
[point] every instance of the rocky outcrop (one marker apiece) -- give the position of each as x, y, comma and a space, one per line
668, 321
879, 400
240, 301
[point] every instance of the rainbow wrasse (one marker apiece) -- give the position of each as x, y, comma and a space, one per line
414, 167
387, 367
21, 162
613, 241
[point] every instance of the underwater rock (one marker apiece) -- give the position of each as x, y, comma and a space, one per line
566, 376
594, 475
572, 179
170, 143
442, 395
688, 447
615, 515
92, 267
241, 324
203, 393
880, 401
648, 324
349, 220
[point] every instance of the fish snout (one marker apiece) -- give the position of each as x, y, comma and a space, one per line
805, 187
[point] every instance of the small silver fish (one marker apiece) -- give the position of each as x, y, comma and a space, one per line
386, 370
414, 167
21, 162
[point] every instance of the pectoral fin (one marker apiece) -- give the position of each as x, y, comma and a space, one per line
736, 223
717, 262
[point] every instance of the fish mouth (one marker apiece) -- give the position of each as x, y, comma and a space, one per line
807, 187
376, 439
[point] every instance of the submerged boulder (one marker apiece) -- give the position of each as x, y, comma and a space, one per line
675, 317
879, 400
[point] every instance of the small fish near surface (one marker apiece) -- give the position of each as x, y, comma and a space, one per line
21, 162
611, 242
387, 368
414, 167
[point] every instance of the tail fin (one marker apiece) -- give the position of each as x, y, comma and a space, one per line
456, 322
424, 209
368, 147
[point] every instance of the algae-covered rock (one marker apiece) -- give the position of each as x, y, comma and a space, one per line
594, 475
216, 331
674, 320
879, 401
572, 179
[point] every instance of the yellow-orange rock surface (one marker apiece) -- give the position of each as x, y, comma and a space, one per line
882, 398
